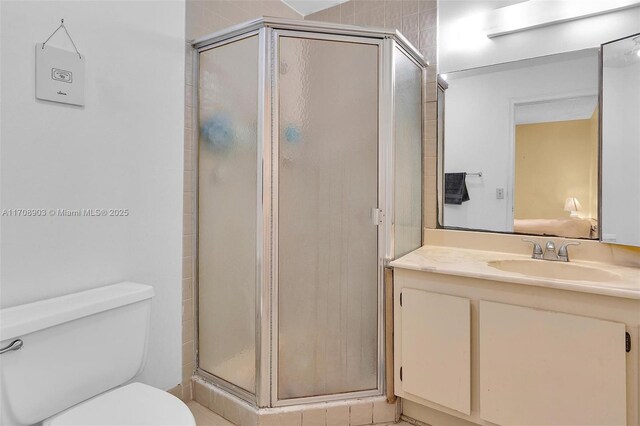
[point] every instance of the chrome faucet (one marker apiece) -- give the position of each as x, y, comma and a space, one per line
549, 252
537, 250
563, 251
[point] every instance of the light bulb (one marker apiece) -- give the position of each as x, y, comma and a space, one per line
638, 52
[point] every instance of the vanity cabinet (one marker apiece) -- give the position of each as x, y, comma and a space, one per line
493, 352
547, 368
436, 348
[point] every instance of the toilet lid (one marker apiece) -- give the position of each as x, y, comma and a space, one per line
132, 405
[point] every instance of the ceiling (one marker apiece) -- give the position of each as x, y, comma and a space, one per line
592, 53
577, 108
307, 7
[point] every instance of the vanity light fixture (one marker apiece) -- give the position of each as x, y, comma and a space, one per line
532, 14
572, 205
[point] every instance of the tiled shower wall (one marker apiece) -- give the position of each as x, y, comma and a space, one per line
417, 21
207, 16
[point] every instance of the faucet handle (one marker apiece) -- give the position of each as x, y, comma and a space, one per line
537, 249
563, 251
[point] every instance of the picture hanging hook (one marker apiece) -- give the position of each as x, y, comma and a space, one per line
68, 35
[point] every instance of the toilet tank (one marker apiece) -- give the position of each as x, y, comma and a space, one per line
74, 347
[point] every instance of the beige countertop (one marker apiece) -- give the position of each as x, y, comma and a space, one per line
475, 264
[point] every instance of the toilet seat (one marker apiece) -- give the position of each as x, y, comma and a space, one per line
135, 404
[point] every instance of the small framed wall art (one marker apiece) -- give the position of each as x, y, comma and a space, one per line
59, 73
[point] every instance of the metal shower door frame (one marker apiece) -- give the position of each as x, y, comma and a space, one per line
268, 31
384, 97
262, 210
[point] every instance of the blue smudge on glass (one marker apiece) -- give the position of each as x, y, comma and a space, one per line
292, 134
217, 132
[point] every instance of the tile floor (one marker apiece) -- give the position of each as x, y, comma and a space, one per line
204, 417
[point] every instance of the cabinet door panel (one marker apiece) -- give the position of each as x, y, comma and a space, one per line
547, 368
436, 348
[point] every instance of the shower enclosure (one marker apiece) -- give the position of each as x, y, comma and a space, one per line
309, 180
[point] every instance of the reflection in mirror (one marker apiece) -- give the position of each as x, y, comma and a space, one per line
621, 141
521, 147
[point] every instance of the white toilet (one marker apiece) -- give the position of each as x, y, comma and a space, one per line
65, 360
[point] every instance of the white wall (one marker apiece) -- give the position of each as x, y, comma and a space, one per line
462, 41
124, 149
621, 155
479, 126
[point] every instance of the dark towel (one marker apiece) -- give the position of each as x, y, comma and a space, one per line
455, 188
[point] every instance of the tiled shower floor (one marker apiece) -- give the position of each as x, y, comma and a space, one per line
204, 417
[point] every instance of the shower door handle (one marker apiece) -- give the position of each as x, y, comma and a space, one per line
377, 216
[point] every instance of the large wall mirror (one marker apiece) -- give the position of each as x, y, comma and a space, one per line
620, 221
521, 147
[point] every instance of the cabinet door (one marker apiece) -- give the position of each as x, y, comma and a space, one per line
546, 368
436, 348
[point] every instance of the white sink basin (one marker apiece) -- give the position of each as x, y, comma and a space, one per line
555, 270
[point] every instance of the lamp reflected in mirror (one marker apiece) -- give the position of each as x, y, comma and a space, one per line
572, 205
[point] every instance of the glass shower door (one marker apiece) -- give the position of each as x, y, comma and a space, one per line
328, 261
408, 154
227, 212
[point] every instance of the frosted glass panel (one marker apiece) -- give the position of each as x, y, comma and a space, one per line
227, 211
408, 155
328, 282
